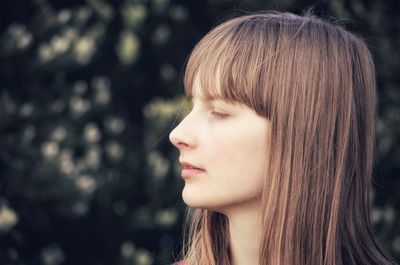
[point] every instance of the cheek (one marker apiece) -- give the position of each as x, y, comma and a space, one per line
220, 150
238, 158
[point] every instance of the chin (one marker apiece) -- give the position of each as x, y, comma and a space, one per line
193, 202
199, 203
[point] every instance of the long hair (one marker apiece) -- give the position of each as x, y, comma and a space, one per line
315, 82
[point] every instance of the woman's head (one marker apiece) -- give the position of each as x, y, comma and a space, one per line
228, 142
312, 85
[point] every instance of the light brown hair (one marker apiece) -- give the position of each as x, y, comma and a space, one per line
315, 82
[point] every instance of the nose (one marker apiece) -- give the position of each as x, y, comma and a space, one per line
181, 137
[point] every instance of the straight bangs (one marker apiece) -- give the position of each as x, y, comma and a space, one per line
229, 64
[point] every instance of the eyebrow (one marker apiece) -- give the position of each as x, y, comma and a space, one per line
202, 99
193, 99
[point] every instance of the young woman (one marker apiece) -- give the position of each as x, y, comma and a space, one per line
277, 151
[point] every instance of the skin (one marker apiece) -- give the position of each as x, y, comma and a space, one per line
229, 141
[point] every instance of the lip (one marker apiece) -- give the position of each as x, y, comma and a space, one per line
190, 170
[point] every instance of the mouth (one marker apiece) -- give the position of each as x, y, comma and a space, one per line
190, 170
187, 165
190, 167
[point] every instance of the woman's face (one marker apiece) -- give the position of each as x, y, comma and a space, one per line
230, 143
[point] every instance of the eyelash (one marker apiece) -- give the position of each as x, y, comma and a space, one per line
219, 115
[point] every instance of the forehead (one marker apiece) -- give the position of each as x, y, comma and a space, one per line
206, 87
204, 94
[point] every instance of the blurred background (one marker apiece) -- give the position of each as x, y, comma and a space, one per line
89, 91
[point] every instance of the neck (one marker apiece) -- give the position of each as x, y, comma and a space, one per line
245, 235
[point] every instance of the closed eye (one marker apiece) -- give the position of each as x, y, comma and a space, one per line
219, 114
